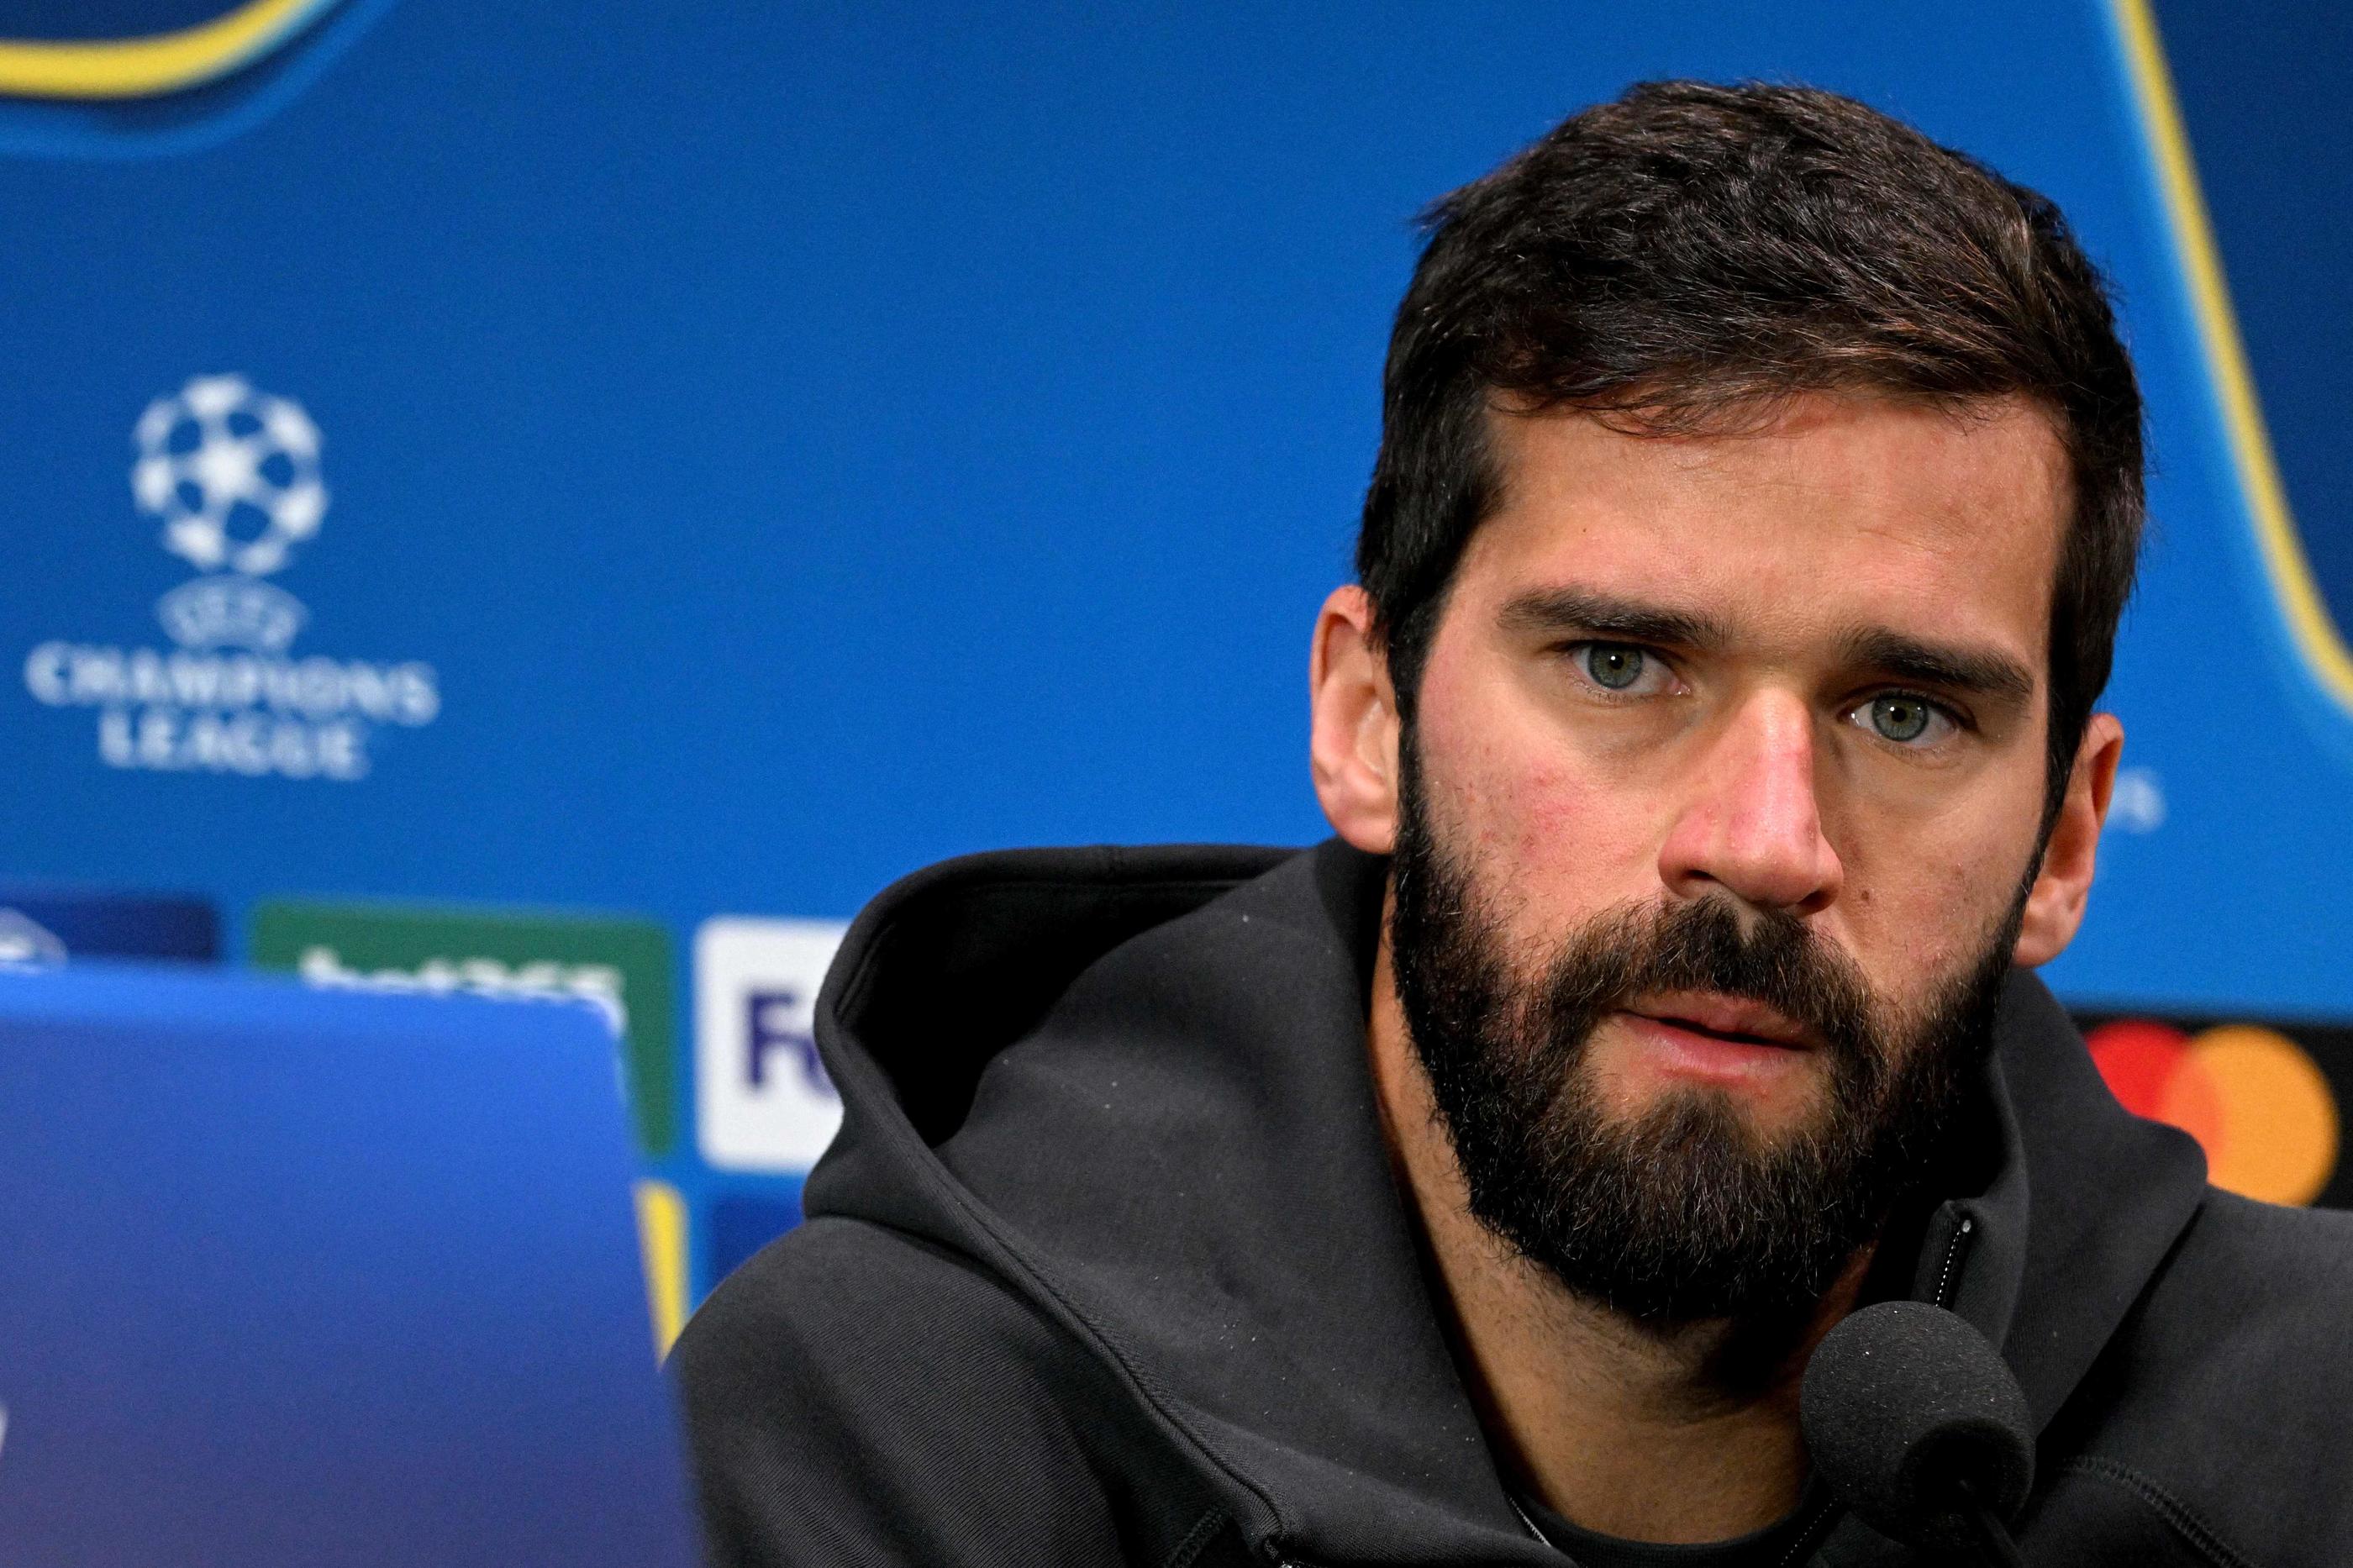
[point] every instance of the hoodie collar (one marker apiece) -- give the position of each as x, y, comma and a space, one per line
2085, 1203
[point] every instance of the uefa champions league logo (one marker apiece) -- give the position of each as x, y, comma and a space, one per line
233, 476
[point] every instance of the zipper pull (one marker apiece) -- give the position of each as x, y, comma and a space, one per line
1948, 1277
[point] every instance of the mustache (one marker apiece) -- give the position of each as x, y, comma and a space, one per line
1767, 956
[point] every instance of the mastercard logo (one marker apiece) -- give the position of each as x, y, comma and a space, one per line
2254, 1100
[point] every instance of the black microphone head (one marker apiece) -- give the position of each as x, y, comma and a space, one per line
1905, 1403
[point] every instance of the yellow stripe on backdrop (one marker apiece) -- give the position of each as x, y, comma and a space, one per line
662, 1236
151, 66
2300, 600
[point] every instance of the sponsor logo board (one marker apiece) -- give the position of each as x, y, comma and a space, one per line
2261, 1099
46, 924
619, 965
231, 475
762, 1101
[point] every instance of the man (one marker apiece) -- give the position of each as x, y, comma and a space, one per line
1711, 743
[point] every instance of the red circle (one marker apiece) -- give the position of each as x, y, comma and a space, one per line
2139, 1059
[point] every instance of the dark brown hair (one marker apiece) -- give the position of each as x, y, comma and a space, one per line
1691, 252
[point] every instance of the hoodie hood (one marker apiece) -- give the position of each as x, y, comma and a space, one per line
1133, 1085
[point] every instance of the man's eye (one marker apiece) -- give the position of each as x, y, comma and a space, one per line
1904, 718
1613, 665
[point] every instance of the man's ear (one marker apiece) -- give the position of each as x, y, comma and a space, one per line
2054, 905
1353, 740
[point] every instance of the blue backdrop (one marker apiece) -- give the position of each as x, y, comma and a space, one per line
703, 462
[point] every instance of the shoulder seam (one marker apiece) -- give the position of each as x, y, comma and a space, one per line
2184, 1521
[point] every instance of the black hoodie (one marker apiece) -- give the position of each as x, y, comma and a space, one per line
1108, 1265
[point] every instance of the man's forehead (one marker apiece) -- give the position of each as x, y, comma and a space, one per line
1832, 515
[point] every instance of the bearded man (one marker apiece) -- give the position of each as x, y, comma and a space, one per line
1711, 742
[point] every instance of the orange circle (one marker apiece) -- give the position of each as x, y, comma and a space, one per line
2193, 1100
2279, 1128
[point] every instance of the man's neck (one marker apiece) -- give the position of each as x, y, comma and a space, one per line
1684, 1435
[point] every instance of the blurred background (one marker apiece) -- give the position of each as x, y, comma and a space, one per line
574, 499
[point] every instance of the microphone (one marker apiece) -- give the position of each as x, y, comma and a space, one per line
1917, 1425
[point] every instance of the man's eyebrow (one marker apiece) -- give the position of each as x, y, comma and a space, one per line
1607, 618
1974, 671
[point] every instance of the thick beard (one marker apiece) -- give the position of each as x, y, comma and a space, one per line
1685, 1213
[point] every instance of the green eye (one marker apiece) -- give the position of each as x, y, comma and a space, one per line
1899, 717
1613, 665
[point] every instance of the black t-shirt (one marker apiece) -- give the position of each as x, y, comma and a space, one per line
1765, 1547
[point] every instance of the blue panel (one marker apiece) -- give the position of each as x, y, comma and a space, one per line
298, 1279
806, 444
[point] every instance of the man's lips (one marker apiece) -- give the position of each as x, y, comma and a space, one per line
1725, 1042
1732, 1018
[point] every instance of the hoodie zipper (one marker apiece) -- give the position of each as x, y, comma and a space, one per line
1947, 1284
1811, 1536
1949, 1276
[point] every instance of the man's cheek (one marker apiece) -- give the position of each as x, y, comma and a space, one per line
1907, 938
1567, 823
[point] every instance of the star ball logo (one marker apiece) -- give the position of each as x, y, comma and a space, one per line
270, 464
233, 476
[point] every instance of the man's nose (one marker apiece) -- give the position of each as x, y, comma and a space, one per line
1750, 823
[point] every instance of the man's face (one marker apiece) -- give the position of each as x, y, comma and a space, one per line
1723, 791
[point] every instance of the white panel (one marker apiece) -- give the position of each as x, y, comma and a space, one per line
762, 1100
